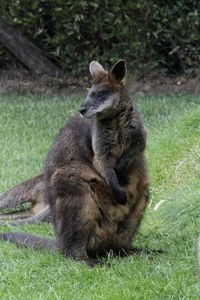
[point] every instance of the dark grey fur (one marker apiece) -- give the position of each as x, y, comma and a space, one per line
95, 179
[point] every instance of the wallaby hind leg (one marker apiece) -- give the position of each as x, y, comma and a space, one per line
38, 212
26, 191
67, 199
15, 215
43, 215
71, 229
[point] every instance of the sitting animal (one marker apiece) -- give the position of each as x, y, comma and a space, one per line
95, 178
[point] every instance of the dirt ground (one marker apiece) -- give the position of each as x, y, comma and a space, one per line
22, 81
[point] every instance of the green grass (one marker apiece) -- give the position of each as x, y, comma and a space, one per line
28, 126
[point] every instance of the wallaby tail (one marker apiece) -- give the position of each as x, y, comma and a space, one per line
29, 189
29, 240
43, 215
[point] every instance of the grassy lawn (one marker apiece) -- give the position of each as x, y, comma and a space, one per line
172, 220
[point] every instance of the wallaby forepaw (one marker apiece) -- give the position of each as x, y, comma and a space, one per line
121, 198
122, 175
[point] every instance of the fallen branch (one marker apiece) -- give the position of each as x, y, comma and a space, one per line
25, 51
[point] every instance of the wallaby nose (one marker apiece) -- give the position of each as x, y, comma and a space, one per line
82, 110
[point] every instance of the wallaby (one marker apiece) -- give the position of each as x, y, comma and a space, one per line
30, 191
95, 178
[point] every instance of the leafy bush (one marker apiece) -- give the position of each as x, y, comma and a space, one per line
148, 34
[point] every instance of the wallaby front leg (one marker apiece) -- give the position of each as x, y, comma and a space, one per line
104, 166
104, 159
113, 182
136, 147
121, 168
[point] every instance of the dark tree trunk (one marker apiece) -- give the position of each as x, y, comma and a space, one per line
25, 51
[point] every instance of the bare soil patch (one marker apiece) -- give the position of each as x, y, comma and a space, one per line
22, 81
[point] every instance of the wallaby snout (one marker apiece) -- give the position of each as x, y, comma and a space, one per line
87, 108
86, 111
82, 110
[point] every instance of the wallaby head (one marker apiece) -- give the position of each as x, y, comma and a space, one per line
104, 98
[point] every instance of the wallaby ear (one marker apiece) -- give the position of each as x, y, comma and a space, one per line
118, 71
95, 69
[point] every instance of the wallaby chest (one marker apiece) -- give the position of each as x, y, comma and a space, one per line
111, 139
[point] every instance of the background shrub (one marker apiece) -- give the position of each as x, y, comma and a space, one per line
150, 35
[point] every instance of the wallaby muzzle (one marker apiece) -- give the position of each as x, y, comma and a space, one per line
82, 110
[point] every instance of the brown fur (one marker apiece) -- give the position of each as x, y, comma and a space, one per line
85, 159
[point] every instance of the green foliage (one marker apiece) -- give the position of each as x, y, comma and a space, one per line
149, 34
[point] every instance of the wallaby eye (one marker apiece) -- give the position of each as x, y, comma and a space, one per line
101, 94
93, 94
